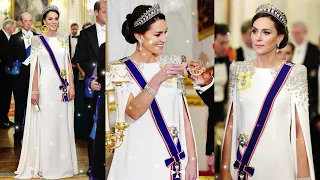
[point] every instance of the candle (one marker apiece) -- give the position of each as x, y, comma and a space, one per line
107, 103
119, 103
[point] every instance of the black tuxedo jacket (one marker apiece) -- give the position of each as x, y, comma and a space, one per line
239, 54
17, 49
4, 43
70, 36
311, 61
98, 170
88, 49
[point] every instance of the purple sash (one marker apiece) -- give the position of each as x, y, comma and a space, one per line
64, 82
174, 149
243, 160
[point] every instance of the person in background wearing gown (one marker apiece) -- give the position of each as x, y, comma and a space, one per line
48, 145
262, 142
143, 153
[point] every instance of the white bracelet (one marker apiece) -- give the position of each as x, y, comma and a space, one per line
150, 90
307, 178
35, 92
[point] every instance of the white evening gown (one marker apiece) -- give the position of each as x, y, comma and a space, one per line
275, 154
48, 148
143, 152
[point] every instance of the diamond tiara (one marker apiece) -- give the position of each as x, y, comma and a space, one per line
50, 7
274, 11
150, 13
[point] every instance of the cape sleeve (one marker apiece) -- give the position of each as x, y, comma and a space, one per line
298, 87
232, 104
30, 149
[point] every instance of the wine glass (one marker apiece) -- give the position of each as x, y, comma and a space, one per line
195, 68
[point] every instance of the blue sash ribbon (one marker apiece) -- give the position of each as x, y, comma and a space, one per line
243, 161
64, 82
88, 92
17, 64
28, 51
95, 119
175, 151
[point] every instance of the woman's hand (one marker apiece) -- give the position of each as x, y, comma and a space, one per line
191, 170
225, 175
95, 85
71, 93
34, 99
169, 71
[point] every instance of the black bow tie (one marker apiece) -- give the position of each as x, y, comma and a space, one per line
74, 36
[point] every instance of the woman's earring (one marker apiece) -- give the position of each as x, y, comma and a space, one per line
141, 42
277, 45
44, 28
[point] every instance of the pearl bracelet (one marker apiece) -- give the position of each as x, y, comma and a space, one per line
35, 92
150, 90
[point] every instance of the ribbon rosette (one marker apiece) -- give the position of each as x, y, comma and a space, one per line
244, 80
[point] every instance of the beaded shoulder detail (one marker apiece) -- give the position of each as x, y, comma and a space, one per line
297, 84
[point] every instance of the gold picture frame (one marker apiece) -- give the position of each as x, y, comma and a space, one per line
16, 10
205, 18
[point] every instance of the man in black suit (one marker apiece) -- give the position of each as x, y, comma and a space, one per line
19, 50
216, 97
89, 42
98, 167
308, 54
9, 27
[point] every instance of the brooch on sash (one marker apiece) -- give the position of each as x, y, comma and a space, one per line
62, 42
174, 132
243, 139
64, 73
244, 79
177, 172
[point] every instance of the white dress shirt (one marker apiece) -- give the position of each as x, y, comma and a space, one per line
101, 34
73, 41
248, 53
300, 52
27, 36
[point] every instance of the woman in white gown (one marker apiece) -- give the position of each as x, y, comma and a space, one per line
283, 149
48, 148
143, 153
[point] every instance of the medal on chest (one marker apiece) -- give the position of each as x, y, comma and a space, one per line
244, 79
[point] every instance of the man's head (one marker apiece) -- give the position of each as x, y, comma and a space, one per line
74, 29
26, 20
299, 32
246, 29
221, 40
100, 10
9, 26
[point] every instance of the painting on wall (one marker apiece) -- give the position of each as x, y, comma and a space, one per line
34, 7
205, 18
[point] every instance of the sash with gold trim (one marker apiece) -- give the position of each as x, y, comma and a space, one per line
61, 74
243, 160
174, 149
